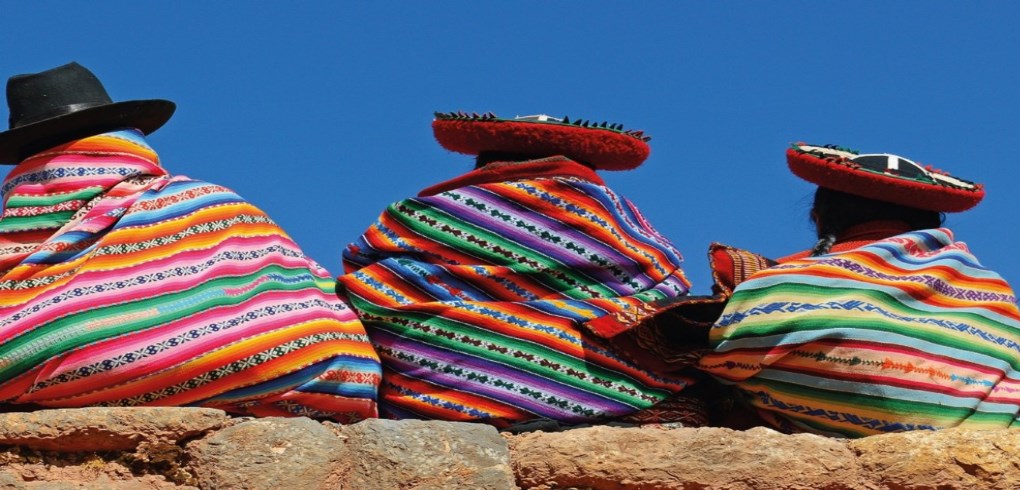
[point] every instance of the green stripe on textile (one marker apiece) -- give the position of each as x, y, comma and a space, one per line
21, 200
326, 284
540, 274
919, 413
503, 340
821, 320
42, 221
852, 403
650, 296
792, 292
70, 332
822, 325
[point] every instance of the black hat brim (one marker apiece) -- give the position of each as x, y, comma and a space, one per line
144, 115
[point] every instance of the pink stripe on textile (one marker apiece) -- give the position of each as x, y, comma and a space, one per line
139, 339
72, 205
82, 304
189, 258
168, 358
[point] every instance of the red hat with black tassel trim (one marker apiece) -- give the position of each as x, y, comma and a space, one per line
882, 177
604, 146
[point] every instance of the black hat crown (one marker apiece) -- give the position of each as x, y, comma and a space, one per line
52, 93
65, 103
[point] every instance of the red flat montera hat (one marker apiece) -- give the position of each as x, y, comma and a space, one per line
603, 145
883, 177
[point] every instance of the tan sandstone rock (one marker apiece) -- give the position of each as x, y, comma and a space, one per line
610, 458
410, 454
105, 429
947, 459
73, 482
174, 448
29, 469
269, 453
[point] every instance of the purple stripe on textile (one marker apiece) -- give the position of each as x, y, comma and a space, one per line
542, 247
635, 229
497, 200
494, 370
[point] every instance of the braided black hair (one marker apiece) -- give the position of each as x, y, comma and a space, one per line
834, 212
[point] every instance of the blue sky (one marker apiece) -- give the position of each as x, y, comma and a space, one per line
319, 112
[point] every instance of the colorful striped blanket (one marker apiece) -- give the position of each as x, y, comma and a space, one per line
123, 286
910, 332
493, 301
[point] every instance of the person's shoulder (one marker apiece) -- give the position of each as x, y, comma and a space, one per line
731, 266
180, 188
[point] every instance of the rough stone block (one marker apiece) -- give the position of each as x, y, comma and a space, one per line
270, 453
54, 471
386, 454
105, 429
946, 459
610, 458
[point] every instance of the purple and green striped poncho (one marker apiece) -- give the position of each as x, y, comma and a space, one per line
493, 297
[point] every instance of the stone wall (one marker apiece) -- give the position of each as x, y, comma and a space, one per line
164, 448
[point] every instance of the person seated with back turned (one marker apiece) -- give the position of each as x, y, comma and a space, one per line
887, 324
496, 296
123, 286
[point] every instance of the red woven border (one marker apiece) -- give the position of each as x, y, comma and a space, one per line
605, 149
880, 187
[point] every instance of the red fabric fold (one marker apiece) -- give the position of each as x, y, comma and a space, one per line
557, 166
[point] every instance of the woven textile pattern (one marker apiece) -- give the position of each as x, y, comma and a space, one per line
479, 299
123, 286
910, 332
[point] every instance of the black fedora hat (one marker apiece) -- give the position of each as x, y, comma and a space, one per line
68, 102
